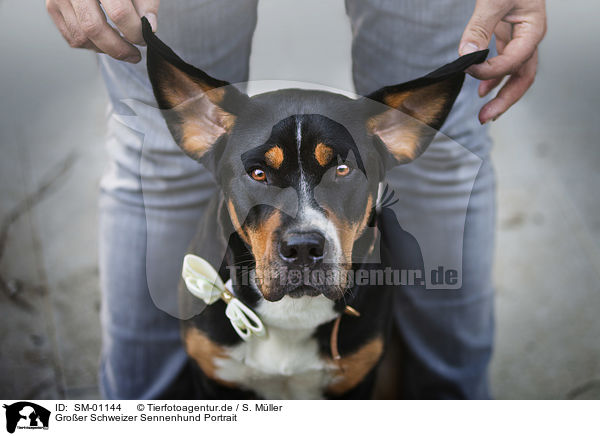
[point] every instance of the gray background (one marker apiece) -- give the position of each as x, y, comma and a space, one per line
546, 156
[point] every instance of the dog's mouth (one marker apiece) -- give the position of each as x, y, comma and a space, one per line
275, 283
304, 291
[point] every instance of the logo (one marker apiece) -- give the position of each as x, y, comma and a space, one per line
26, 415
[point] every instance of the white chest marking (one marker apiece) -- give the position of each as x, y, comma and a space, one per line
287, 363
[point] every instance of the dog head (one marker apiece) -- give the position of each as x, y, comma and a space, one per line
300, 169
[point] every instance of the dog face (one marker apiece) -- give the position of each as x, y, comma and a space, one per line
299, 169
300, 193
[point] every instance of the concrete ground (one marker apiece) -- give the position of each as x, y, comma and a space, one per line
51, 136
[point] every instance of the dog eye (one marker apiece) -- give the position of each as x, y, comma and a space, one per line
258, 175
342, 170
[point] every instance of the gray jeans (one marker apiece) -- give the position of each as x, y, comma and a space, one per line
152, 198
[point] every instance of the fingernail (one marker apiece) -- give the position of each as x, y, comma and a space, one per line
152, 20
467, 47
134, 59
496, 117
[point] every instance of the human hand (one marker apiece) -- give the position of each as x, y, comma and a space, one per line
83, 24
519, 26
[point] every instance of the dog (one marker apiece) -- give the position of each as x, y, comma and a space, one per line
299, 173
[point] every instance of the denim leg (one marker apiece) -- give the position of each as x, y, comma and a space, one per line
446, 198
153, 196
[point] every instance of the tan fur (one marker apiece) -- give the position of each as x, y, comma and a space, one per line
400, 137
236, 221
323, 154
423, 104
203, 122
200, 348
395, 100
261, 244
402, 127
355, 367
388, 381
350, 232
363, 223
182, 87
274, 157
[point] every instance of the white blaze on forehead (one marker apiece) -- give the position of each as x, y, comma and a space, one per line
303, 183
311, 218
298, 133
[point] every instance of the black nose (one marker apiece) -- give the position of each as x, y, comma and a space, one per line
302, 249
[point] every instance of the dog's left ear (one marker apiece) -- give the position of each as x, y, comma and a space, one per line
407, 116
198, 108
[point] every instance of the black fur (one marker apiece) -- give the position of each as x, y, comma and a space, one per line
271, 119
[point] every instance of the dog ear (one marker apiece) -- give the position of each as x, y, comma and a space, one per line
198, 108
407, 116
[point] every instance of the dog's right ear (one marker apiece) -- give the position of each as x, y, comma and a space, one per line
198, 108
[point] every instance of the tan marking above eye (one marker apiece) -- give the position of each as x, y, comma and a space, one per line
342, 170
323, 154
258, 175
274, 157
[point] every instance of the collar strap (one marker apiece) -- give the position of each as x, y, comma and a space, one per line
335, 332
